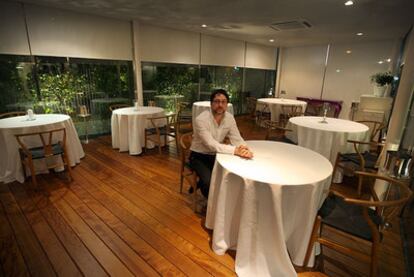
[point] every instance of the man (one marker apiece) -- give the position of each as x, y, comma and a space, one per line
210, 129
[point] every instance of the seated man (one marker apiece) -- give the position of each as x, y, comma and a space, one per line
210, 129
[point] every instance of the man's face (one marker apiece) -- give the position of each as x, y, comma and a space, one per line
219, 104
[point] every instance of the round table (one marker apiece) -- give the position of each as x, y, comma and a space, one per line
326, 138
201, 106
265, 207
10, 165
128, 127
275, 105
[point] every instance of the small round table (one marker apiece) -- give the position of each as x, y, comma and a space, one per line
326, 138
275, 105
10, 165
128, 127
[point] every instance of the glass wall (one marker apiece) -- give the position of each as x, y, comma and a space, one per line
195, 83
62, 85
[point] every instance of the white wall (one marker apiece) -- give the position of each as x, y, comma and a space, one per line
168, 45
221, 51
56, 32
301, 71
260, 56
13, 39
348, 76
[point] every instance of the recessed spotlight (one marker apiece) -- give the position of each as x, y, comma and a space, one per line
348, 51
349, 3
380, 62
359, 34
271, 40
388, 60
204, 26
338, 70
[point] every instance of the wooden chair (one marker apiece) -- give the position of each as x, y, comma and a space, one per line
11, 114
263, 114
48, 149
184, 118
314, 109
289, 111
251, 103
375, 129
165, 126
151, 103
275, 132
355, 218
186, 172
118, 106
367, 157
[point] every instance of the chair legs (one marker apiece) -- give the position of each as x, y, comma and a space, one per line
312, 240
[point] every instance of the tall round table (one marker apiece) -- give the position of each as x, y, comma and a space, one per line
265, 207
326, 138
275, 105
128, 127
10, 165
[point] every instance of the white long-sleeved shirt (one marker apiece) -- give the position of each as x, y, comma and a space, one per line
208, 136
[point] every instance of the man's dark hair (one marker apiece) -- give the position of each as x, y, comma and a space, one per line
218, 91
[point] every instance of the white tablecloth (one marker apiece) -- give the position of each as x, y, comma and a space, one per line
201, 106
326, 138
128, 127
10, 165
275, 105
265, 207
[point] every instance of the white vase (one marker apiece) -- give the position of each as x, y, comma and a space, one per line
379, 91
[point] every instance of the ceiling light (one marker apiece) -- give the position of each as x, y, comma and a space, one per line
380, 62
349, 3
204, 26
271, 40
338, 70
388, 60
348, 51
359, 34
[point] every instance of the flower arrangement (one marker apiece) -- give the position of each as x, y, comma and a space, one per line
382, 78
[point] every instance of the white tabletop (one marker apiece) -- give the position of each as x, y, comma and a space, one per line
10, 165
128, 127
279, 166
281, 101
144, 110
265, 207
275, 105
333, 125
39, 120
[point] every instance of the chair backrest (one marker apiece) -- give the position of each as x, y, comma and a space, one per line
185, 144
375, 128
118, 106
276, 128
251, 105
397, 195
12, 114
169, 121
314, 109
47, 139
292, 110
151, 103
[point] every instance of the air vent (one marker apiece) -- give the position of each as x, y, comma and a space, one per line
291, 25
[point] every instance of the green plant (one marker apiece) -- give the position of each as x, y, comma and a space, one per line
382, 78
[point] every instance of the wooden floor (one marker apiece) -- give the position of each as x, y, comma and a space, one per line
122, 215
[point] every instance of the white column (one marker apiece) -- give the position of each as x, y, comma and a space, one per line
137, 61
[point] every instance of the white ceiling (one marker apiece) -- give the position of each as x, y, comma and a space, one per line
249, 20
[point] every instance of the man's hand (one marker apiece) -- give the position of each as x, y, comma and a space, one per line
243, 151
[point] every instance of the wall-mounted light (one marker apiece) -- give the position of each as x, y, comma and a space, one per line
359, 34
204, 26
271, 40
348, 51
380, 62
388, 60
338, 70
349, 3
